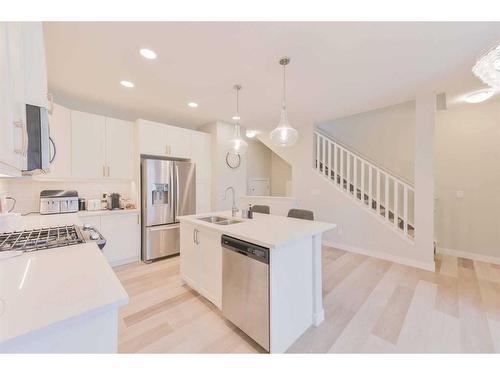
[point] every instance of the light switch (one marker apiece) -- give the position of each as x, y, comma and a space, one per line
460, 194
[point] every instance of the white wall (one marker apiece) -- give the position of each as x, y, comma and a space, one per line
281, 176
385, 135
26, 191
222, 175
358, 230
467, 156
258, 161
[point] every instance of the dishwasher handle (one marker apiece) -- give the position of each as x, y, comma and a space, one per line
245, 248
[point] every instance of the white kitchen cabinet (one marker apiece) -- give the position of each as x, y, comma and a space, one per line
201, 261
190, 262
122, 234
178, 142
35, 68
87, 145
151, 138
163, 140
201, 155
119, 149
22, 77
209, 243
60, 132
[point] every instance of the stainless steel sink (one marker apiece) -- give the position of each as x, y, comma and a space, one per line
219, 220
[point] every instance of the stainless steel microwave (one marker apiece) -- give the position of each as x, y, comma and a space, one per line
37, 126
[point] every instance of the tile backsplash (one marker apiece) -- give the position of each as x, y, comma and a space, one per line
27, 191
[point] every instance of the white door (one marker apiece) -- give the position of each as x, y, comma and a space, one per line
178, 141
211, 266
119, 149
190, 257
152, 138
258, 186
87, 145
122, 233
60, 132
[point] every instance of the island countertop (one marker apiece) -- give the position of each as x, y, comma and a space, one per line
44, 287
266, 230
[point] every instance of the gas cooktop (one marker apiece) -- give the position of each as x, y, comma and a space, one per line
39, 239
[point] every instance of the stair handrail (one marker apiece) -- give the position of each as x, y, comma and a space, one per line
364, 157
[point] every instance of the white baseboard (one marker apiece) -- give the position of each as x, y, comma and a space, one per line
121, 262
376, 254
469, 255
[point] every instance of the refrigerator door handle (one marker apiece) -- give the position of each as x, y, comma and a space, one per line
176, 191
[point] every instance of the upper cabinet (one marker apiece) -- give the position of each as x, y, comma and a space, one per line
87, 145
163, 140
119, 149
23, 80
101, 147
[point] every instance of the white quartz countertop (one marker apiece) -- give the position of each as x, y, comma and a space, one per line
44, 287
266, 230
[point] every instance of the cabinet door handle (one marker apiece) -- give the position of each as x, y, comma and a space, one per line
166, 149
109, 169
194, 235
21, 151
103, 171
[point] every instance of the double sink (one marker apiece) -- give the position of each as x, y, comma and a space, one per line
219, 220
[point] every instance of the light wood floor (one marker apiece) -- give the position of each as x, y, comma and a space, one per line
371, 305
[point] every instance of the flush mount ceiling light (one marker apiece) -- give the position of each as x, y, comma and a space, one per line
193, 105
479, 96
148, 53
236, 144
127, 84
487, 68
251, 133
284, 134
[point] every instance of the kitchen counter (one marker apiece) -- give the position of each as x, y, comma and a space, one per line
289, 282
48, 291
265, 230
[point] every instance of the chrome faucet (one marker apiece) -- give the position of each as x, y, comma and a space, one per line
234, 209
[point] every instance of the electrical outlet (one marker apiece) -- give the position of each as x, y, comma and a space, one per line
460, 194
315, 192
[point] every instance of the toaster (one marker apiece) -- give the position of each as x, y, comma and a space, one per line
58, 201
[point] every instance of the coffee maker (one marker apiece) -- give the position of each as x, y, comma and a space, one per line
113, 201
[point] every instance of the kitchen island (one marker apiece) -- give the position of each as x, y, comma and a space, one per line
294, 287
59, 300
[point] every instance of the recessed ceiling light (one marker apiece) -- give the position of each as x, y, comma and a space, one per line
479, 96
251, 133
236, 117
127, 84
193, 105
148, 53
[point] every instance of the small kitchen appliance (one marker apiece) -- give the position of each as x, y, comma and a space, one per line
113, 201
58, 201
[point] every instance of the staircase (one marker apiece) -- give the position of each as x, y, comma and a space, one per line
388, 197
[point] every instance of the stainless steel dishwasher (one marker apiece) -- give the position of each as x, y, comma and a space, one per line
245, 287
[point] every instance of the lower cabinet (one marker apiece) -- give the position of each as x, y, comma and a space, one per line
201, 261
122, 234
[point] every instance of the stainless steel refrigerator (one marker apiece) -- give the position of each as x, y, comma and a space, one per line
168, 190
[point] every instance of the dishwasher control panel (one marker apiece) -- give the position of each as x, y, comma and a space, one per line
251, 250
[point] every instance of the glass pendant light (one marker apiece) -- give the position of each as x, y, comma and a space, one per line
284, 134
236, 144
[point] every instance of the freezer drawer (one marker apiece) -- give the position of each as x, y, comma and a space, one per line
160, 241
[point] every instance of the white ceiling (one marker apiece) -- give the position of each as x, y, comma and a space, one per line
336, 69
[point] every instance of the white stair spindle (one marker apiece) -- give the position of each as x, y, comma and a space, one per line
323, 155
396, 197
377, 206
362, 181
348, 154
329, 158
341, 167
370, 186
355, 183
386, 203
318, 139
405, 209
335, 162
